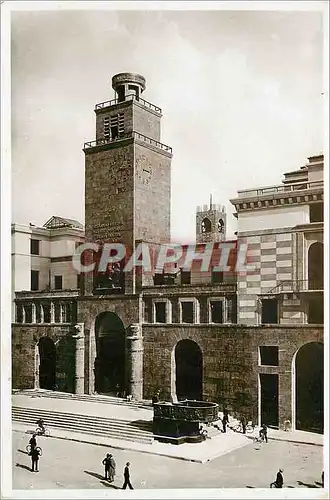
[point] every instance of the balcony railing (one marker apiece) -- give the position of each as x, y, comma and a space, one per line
121, 137
282, 188
297, 286
128, 97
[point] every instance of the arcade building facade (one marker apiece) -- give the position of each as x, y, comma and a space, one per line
252, 342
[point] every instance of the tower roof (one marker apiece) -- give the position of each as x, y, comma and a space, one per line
128, 78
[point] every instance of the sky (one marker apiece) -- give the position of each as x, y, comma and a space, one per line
241, 94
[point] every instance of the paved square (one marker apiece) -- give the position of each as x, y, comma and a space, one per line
73, 465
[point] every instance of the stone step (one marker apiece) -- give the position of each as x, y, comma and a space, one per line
138, 431
84, 397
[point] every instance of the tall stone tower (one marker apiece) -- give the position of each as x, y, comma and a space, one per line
127, 170
211, 223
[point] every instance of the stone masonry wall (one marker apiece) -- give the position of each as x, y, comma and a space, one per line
152, 195
230, 361
24, 341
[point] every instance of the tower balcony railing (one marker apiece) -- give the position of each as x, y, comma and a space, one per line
281, 188
121, 137
296, 286
128, 97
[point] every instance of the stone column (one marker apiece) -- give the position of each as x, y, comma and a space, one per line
80, 358
34, 313
61, 313
23, 313
134, 357
52, 312
42, 316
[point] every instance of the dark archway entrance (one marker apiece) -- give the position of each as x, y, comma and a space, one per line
189, 370
309, 380
110, 354
47, 363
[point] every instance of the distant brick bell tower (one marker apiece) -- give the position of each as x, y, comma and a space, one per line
211, 223
127, 170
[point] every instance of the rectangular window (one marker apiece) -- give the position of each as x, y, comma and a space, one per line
34, 247
58, 282
187, 312
19, 313
28, 313
216, 311
160, 312
269, 311
159, 279
268, 355
185, 277
316, 212
34, 280
217, 276
106, 128
46, 308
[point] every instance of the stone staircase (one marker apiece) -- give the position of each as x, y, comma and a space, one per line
137, 431
97, 398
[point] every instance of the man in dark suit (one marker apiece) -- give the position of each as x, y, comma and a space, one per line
35, 453
107, 463
127, 481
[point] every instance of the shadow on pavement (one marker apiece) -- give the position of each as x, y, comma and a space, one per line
23, 451
320, 485
102, 480
24, 467
308, 485
95, 474
249, 486
110, 485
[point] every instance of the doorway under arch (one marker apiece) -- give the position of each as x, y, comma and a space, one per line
309, 386
47, 363
110, 354
188, 370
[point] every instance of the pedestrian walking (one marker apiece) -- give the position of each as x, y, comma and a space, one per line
127, 481
243, 423
263, 433
107, 462
35, 454
278, 483
225, 420
112, 470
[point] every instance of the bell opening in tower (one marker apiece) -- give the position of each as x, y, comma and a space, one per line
121, 93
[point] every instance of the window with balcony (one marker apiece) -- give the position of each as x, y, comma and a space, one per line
58, 282
34, 280
268, 355
34, 247
269, 311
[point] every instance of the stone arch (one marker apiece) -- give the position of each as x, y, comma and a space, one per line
206, 225
109, 364
187, 370
308, 387
45, 363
